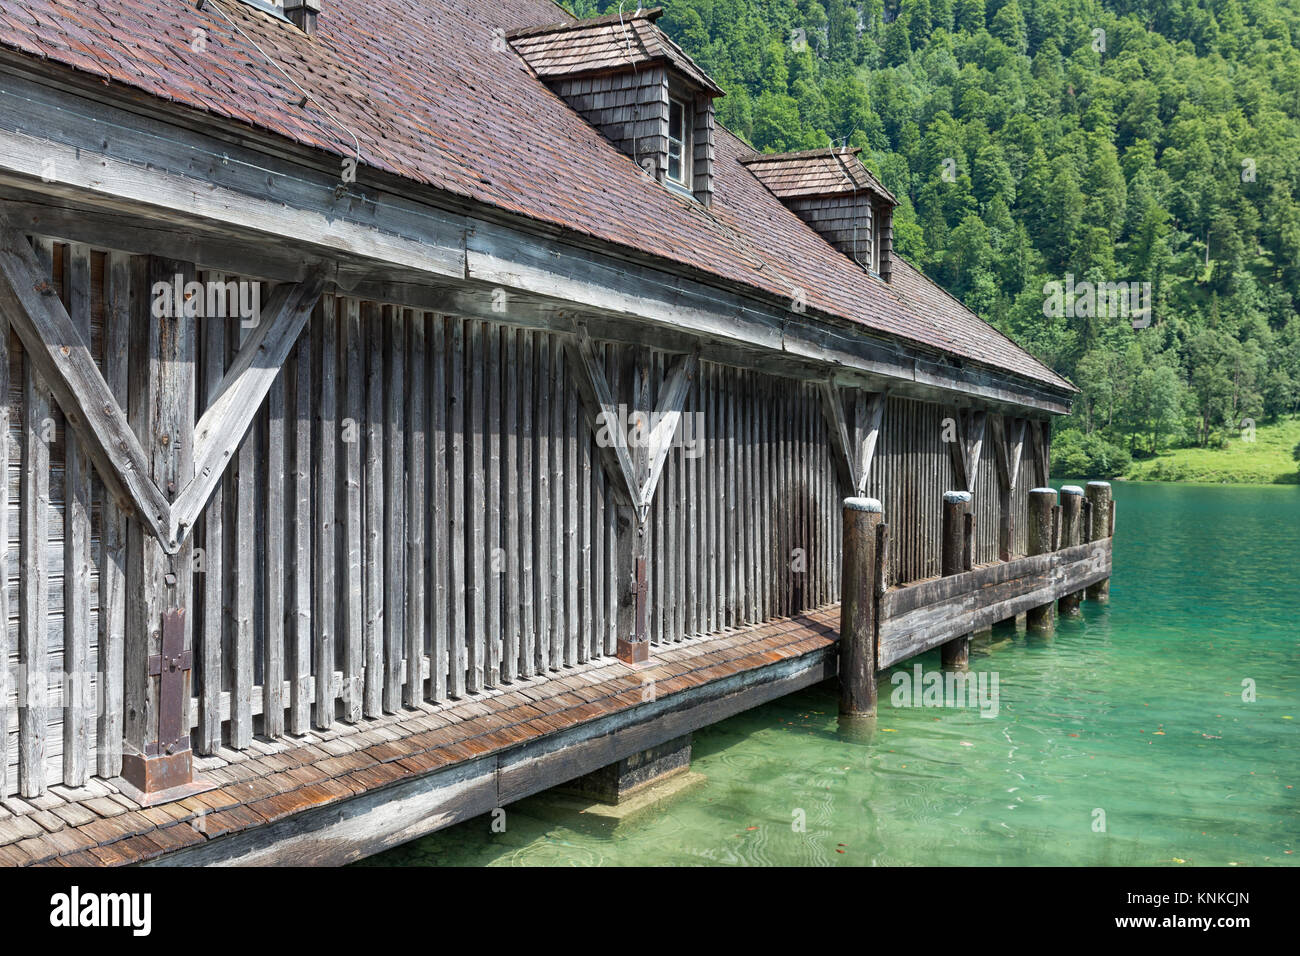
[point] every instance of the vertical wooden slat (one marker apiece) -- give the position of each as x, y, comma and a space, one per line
352, 616
527, 507
77, 702
5, 689
585, 583
574, 479
456, 394
374, 511
612, 364
274, 572
543, 546
492, 541
325, 347
477, 560
416, 459
33, 585
512, 491
112, 564
556, 507
395, 501
439, 510
244, 576
299, 656
212, 626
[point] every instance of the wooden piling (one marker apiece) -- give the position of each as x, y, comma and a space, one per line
1042, 507
1099, 495
862, 516
956, 558
1071, 533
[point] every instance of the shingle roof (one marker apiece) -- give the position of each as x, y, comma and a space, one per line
604, 44
818, 172
434, 96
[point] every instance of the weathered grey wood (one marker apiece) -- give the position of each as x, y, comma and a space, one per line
513, 491
857, 644
395, 504
1041, 540
62, 359
220, 432
416, 458
585, 580
301, 689
5, 689
33, 582
1071, 534
496, 558
1008, 435
543, 548
615, 586
324, 336
244, 577
477, 561
275, 544
162, 415
1099, 495
79, 702
112, 564
847, 461
601, 408
667, 418
987, 595
212, 626
456, 396
440, 546
351, 591
574, 479
527, 506
869, 410
955, 653
373, 530
556, 503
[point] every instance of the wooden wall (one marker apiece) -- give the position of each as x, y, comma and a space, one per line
418, 513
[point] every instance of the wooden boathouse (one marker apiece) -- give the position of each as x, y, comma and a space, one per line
412, 407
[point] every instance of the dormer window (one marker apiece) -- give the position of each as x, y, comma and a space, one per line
679, 143
636, 86
834, 193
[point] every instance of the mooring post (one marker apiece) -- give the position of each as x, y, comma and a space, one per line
1071, 534
862, 517
1042, 507
1102, 504
957, 556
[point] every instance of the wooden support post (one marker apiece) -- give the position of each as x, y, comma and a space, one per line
158, 586
956, 558
1042, 506
862, 517
1071, 533
1099, 495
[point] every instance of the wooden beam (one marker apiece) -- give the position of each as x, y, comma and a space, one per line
601, 410
61, 356
220, 431
842, 444
974, 443
869, 411
668, 416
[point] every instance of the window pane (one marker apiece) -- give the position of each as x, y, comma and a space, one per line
675, 120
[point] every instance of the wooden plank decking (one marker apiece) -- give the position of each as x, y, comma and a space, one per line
337, 795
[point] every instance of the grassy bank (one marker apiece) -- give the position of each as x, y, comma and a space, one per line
1266, 460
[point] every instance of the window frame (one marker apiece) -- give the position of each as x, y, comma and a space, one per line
687, 142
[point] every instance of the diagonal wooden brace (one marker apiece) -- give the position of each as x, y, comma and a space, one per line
62, 357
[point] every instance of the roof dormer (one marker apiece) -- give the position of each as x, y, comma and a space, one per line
638, 87
835, 194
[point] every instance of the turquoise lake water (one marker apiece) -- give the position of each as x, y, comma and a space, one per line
1122, 740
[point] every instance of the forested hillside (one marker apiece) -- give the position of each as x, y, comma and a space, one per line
1031, 141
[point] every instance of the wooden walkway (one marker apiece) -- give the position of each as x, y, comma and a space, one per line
333, 796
